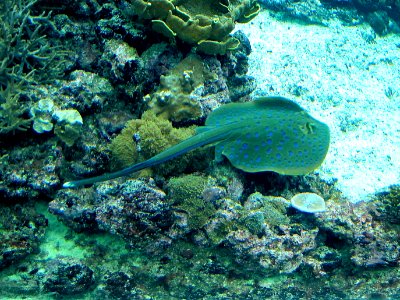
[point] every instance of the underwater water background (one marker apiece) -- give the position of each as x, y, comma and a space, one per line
89, 87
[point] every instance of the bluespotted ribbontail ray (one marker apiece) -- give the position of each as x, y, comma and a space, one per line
267, 134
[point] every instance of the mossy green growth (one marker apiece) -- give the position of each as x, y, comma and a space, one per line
175, 99
260, 211
186, 193
143, 138
221, 229
198, 22
254, 221
256, 215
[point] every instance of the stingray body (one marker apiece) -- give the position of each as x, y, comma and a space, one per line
267, 134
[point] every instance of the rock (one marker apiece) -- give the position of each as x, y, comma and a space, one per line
68, 277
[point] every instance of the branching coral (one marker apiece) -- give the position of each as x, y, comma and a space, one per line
23, 45
26, 57
202, 23
11, 111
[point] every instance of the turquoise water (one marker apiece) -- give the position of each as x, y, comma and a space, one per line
90, 87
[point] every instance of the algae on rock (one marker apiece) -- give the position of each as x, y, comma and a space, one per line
388, 205
260, 211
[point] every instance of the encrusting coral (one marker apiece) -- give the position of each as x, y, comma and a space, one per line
308, 202
202, 23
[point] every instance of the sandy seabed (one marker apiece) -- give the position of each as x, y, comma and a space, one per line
344, 77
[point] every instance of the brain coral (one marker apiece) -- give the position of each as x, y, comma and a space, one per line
146, 137
202, 23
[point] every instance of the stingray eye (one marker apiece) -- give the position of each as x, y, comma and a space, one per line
307, 128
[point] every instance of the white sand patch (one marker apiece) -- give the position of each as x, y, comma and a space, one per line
341, 79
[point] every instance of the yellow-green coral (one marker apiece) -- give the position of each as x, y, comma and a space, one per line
214, 47
198, 21
146, 137
186, 193
174, 100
